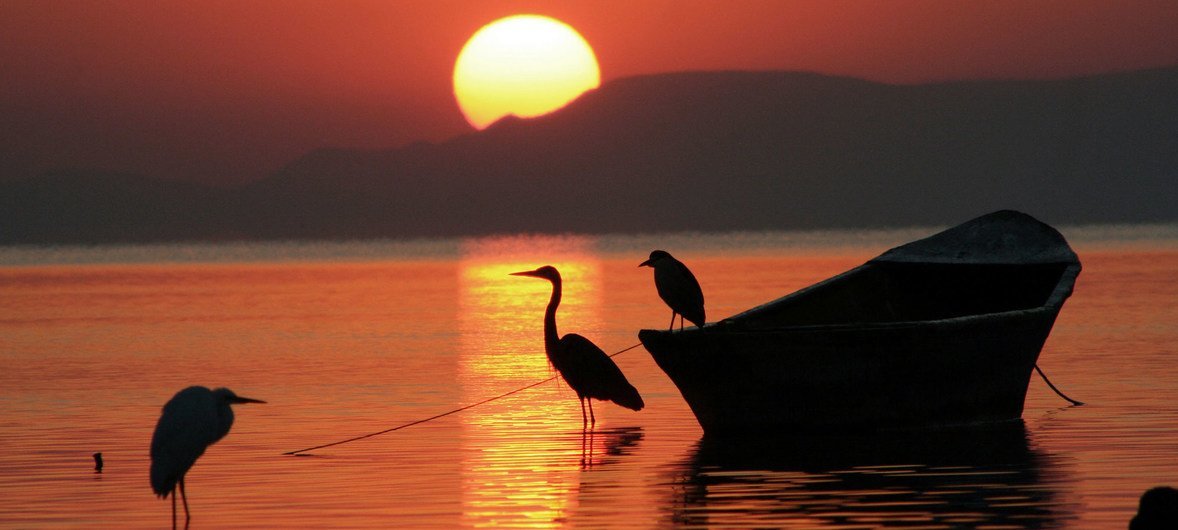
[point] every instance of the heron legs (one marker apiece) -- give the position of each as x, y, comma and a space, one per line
590, 420
672, 326
184, 497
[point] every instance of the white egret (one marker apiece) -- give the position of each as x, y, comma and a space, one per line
192, 420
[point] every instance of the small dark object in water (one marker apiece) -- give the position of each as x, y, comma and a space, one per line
1158, 510
98, 462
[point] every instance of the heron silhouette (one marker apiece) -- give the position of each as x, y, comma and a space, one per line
677, 287
585, 367
192, 420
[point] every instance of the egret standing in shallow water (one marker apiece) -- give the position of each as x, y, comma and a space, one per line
677, 287
192, 420
584, 366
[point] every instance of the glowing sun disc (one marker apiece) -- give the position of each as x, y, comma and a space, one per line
526, 65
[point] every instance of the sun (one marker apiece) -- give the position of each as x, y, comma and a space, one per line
526, 65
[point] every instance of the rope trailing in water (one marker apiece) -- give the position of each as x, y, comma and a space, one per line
1048, 381
431, 418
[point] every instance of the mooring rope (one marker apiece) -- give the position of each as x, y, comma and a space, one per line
431, 418
550, 379
1048, 381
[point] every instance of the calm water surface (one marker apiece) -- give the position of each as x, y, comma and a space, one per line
352, 338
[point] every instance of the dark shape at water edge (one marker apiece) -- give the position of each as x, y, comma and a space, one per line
944, 330
1158, 510
699, 151
961, 477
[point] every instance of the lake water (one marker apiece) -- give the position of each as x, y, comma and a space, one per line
344, 339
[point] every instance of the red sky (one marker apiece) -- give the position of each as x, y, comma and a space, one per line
227, 91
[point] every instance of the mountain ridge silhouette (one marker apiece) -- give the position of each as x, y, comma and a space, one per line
702, 151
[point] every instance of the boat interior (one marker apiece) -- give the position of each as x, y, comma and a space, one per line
887, 292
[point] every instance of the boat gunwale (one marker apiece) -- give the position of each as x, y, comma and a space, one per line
733, 324
931, 250
735, 328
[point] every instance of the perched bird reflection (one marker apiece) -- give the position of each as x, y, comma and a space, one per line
584, 366
192, 420
677, 287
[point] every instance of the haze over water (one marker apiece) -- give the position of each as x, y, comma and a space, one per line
344, 339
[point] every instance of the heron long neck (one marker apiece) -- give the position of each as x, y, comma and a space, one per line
551, 338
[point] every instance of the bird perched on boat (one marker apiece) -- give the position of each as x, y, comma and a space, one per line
192, 420
677, 287
585, 367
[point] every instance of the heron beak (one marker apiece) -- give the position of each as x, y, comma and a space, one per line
645, 264
240, 399
525, 273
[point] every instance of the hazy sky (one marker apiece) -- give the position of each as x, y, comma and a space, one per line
229, 90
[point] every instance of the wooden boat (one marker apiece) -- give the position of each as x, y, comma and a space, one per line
943, 330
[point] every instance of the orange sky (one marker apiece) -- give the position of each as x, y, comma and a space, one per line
228, 91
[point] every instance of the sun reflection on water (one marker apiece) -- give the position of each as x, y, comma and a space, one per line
526, 452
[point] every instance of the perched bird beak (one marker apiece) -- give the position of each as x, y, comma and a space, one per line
526, 273
240, 399
645, 264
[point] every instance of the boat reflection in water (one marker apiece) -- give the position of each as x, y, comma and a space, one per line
975, 476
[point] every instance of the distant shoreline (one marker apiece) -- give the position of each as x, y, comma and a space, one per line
1084, 238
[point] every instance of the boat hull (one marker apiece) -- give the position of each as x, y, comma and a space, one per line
855, 377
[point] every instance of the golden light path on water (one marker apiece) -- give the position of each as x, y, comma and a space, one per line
524, 464
525, 469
